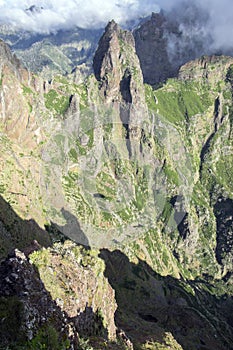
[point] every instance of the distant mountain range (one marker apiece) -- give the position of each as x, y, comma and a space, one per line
164, 42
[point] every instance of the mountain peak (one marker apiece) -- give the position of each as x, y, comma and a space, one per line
151, 47
210, 68
109, 62
34, 9
117, 68
6, 56
112, 26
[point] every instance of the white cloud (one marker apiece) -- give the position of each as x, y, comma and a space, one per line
65, 14
220, 24
57, 14
211, 25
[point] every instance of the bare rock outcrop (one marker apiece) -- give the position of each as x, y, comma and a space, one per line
118, 71
26, 304
151, 48
58, 295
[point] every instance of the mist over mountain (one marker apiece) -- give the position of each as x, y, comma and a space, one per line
58, 36
207, 24
52, 15
210, 19
116, 196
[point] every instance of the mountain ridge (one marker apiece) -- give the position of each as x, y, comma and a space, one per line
140, 177
170, 38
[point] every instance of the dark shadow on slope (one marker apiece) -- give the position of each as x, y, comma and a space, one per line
205, 150
16, 232
150, 305
27, 311
90, 323
180, 215
223, 211
218, 120
71, 230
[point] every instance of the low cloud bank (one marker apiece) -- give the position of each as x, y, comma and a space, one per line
209, 22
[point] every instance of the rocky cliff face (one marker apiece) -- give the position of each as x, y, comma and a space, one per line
42, 304
55, 53
88, 294
26, 306
144, 173
151, 47
16, 82
212, 69
117, 68
170, 39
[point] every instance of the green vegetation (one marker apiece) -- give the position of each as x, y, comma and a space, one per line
177, 101
122, 198
74, 195
229, 76
48, 338
27, 90
83, 94
224, 171
70, 255
169, 342
61, 79
2, 188
73, 155
56, 101
83, 149
108, 127
171, 174
53, 283
1, 79
227, 94
11, 317
167, 212
106, 185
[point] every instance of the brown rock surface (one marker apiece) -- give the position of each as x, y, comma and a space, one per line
151, 48
118, 71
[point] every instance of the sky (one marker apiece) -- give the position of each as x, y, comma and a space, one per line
65, 14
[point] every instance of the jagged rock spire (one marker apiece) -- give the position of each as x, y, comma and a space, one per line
117, 68
115, 59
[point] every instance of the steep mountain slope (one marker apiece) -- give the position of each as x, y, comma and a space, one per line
53, 53
151, 46
168, 40
142, 174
